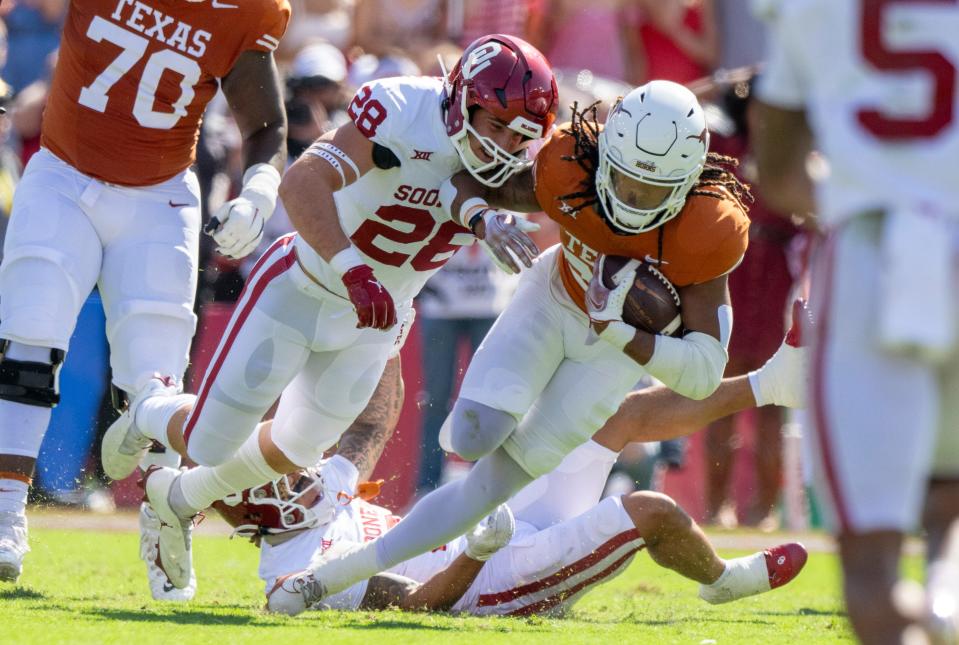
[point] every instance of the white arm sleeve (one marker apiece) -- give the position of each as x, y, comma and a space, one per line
692, 366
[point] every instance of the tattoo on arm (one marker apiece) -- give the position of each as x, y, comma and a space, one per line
386, 590
365, 440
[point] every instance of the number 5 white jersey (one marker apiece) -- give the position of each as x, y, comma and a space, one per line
878, 82
393, 216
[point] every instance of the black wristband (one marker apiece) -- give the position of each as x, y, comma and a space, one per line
475, 218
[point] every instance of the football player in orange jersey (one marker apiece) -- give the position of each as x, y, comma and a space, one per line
556, 364
109, 201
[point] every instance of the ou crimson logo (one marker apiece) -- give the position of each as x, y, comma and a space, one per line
481, 58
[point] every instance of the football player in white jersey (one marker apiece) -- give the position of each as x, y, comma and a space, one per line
566, 541
317, 319
871, 84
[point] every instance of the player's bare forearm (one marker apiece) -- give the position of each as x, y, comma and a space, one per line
444, 590
252, 88
517, 194
439, 593
363, 443
308, 186
659, 414
782, 144
385, 590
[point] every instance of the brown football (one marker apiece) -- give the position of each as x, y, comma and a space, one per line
652, 304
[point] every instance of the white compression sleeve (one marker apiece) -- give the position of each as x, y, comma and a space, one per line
692, 366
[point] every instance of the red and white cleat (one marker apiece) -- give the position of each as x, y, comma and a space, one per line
756, 573
784, 563
294, 593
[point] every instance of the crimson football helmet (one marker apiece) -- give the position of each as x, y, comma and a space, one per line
510, 78
291, 502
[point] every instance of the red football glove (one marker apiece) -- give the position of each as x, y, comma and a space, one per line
373, 303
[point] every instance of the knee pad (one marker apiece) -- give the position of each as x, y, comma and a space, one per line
33, 383
148, 337
41, 299
477, 429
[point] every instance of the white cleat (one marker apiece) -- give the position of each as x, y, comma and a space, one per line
160, 586
294, 593
175, 548
13, 545
124, 446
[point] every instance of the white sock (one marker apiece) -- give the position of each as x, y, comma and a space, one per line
743, 577
154, 413
203, 485
13, 496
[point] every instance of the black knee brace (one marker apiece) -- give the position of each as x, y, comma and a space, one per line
29, 382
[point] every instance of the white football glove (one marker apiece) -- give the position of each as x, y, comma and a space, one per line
605, 305
340, 478
505, 239
784, 379
237, 226
490, 535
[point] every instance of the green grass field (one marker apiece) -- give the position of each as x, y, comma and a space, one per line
87, 586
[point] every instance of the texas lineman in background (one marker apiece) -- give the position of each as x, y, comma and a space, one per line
109, 201
872, 85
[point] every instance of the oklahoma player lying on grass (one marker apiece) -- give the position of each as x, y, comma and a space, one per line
566, 540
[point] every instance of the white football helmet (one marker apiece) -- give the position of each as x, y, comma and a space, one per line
656, 135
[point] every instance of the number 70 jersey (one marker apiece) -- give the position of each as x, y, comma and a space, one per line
133, 78
879, 83
393, 216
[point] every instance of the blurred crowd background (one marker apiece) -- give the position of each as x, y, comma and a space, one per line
730, 474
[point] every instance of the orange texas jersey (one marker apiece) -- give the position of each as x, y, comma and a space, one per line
706, 240
133, 78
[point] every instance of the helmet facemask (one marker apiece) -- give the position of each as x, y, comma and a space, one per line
503, 164
630, 218
288, 503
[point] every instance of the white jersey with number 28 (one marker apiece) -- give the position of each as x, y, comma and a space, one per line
394, 217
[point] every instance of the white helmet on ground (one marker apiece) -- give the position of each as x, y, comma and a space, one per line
657, 136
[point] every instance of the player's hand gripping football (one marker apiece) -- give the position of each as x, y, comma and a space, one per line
605, 305
491, 535
504, 237
373, 303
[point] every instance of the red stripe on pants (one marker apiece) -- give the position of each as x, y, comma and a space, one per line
545, 604
821, 422
251, 293
608, 547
